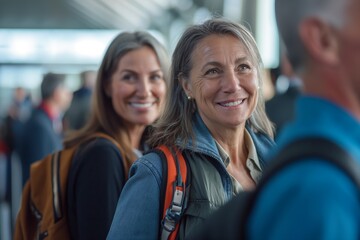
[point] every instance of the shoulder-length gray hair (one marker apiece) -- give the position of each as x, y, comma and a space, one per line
175, 123
104, 117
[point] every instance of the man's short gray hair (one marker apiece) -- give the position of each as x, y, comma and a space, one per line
50, 82
290, 13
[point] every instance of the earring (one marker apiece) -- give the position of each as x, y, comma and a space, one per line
188, 97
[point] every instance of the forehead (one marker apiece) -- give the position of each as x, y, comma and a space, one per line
354, 10
217, 47
140, 57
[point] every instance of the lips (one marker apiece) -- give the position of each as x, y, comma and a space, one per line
232, 103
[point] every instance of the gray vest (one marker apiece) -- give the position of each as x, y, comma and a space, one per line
207, 191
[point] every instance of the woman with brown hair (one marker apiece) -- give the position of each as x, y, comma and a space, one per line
128, 97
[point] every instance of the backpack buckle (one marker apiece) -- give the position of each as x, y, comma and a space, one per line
174, 212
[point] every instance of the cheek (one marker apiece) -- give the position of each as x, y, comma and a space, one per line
251, 85
203, 88
121, 91
160, 91
118, 96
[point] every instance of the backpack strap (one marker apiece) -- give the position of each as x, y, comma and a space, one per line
173, 190
315, 147
303, 150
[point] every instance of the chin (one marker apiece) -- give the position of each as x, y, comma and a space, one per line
145, 121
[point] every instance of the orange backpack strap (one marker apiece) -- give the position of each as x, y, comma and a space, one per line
174, 182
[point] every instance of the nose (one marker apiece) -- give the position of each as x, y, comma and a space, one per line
231, 83
144, 88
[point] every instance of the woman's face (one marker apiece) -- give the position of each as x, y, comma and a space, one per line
138, 87
223, 82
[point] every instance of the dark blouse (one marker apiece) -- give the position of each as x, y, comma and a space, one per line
96, 179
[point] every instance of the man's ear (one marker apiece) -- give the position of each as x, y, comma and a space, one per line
319, 39
185, 83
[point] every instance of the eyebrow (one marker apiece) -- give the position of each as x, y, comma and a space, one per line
134, 72
218, 64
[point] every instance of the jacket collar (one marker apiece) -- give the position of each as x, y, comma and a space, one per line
205, 143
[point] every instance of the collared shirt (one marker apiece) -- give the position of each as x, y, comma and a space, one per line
55, 118
252, 162
137, 152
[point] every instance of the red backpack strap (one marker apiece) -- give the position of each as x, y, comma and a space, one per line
173, 206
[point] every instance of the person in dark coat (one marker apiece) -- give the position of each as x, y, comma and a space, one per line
42, 133
281, 108
79, 110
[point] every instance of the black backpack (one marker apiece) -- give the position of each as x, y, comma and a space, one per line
230, 221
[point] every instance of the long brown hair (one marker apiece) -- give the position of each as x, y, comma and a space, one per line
175, 123
103, 116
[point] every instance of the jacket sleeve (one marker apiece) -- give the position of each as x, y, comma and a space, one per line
97, 181
137, 214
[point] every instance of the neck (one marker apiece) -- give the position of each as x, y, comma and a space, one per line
51, 108
233, 142
136, 132
334, 87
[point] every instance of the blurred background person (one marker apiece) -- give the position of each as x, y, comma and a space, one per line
281, 107
5, 193
43, 132
79, 110
11, 131
18, 113
128, 97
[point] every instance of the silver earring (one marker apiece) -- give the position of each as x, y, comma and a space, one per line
188, 97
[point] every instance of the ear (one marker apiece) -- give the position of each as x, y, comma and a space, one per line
185, 83
320, 40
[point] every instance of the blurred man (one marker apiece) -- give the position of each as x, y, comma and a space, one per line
18, 113
281, 107
80, 107
43, 131
313, 199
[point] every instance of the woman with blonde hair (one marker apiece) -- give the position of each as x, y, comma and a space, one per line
215, 115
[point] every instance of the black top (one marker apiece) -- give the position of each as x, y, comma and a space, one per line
281, 108
96, 179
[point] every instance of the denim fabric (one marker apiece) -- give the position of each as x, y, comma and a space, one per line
312, 199
138, 212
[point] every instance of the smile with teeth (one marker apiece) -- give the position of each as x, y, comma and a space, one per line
142, 105
232, 104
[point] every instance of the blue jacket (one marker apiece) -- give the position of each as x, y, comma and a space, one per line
138, 212
39, 139
312, 199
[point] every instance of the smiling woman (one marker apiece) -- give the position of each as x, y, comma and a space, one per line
137, 88
128, 97
224, 82
223, 132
